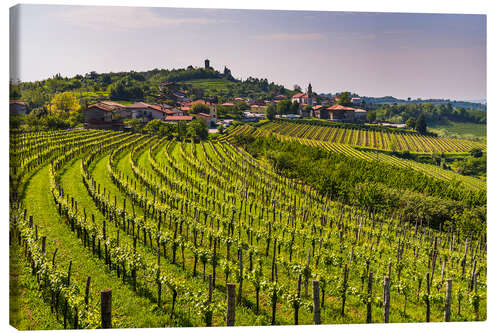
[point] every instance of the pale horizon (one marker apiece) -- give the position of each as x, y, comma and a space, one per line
439, 56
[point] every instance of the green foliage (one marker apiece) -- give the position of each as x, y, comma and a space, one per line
284, 107
270, 111
344, 99
200, 108
371, 116
197, 129
476, 152
411, 123
421, 125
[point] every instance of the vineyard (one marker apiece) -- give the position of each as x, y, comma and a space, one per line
202, 234
376, 139
369, 155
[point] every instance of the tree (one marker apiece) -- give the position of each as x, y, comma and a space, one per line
64, 105
296, 87
270, 112
411, 123
371, 116
284, 107
295, 107
476, 152
344, 99
421, 125
200, 108
197, 129
134, 123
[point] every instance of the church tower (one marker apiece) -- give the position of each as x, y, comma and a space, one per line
309, 94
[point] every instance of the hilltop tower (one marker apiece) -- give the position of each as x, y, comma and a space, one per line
207, 64
309, 94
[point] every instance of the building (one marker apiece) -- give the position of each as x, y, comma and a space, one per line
339, 112
356, 101
176, 119
207, 64
320, 112
360, 115
304, 98
145, 111
102, 116
17, 108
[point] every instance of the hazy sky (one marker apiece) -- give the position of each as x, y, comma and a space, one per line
372, 54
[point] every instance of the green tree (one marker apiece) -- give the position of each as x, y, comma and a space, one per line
421, 125
270, 112
476, 152
64, 105
345, 99
295, 107
411, 123
197, 129
134, 123
199, 108
371, 116
283, 107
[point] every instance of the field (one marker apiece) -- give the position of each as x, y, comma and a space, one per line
380, 140
166, 224
460, 130
219, 85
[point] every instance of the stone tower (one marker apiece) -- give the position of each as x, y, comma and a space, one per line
309, 94
207, 64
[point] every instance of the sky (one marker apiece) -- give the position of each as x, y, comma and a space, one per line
372, 54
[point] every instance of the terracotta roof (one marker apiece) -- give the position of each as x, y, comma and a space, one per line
317, 107
17, 102
111, 103
338, 107
198, 101
203, 114
177, 118
101, 106
299, 95
184, 108
139, 105
355, 98
359, 110
227, 104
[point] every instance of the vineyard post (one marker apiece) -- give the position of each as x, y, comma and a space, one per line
44, 238
87, 289
106, 308
240, 287
69, 272
387, 298
306, 275
208, 315
427, 300
231, 303
447, 304
316, 302
297, 302
369, 300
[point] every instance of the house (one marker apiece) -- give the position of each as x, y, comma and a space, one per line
320, 112
300, 98
360, 114
176, 119
17, 108
280, 97
227, 104
341, 113
118, 108
100, 116
209, 119
356, 101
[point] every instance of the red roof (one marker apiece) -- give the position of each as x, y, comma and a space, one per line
139, 105
201, 114
299, 95
177, 118
101, 106
317, 107
338, 107
359, 110
111, 103
227, 104
184, 108
17, 102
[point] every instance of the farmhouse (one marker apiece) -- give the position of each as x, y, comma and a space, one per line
319, 111
17, 108
100, 116
145, 111
176, 119
341, 113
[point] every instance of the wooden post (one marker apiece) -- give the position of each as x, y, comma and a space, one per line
316, 303
231, 303
208, 315
44, 238
106, 308
447, 304
387, 298
369, 302
87, 290
427, 301
69, 272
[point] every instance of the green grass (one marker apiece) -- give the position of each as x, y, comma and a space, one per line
452, 129
220, 85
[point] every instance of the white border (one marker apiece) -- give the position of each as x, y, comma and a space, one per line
418, 6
